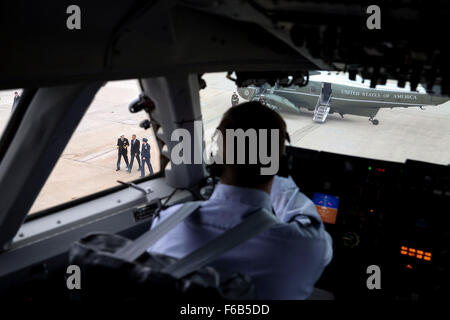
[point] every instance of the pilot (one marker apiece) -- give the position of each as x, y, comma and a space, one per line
234, 99
145, 153
135, 152
122, 145
286, 260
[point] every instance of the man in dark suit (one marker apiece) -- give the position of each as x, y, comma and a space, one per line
122, 145
234, 99
16, 101
134, 152
145, 154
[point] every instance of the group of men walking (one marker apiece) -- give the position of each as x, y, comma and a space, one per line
142, 155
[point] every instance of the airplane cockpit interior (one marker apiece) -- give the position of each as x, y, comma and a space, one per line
383, 192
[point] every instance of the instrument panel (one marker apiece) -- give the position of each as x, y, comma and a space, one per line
391, 215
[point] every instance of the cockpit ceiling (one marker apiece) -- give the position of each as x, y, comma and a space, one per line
117, 44
129, 39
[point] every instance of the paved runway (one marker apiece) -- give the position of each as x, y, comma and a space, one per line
88, 162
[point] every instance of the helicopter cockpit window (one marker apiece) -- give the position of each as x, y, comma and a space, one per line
90, 160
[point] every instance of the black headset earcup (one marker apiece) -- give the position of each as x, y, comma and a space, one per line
215, 170
285, 165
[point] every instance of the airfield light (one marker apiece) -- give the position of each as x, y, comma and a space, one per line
370, 168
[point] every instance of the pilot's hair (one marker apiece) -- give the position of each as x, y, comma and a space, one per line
257, 116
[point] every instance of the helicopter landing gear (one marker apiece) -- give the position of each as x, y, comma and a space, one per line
374, 121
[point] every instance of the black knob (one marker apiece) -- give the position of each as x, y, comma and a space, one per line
145, 124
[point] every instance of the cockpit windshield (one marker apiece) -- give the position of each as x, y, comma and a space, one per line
385, 123
341, 117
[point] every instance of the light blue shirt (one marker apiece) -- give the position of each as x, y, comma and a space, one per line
284, 262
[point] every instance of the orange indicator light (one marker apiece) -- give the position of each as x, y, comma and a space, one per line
408, 266
419, 254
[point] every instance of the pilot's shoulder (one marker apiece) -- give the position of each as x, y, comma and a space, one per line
291, 205
300, 231
301, 222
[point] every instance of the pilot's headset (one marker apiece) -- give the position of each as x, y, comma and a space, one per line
215, 169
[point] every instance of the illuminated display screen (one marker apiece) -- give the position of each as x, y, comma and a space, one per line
327, 206
415, 253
